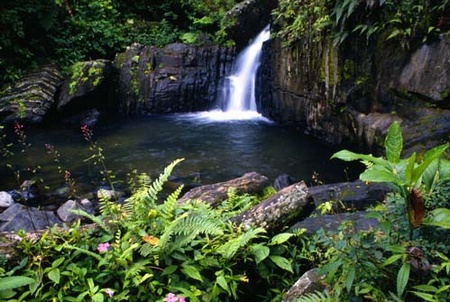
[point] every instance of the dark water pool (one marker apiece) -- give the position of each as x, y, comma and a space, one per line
214, 150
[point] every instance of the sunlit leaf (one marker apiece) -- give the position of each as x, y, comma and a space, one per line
394, 143
260, 252
8, 283
191, 272
282, 262
280, 238
439, 217
403, 277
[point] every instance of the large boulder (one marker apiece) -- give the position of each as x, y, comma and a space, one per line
31, 98
88, 88
176, 78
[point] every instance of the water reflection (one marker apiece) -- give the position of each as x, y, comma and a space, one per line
214, 150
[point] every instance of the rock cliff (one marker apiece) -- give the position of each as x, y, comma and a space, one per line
348, 95
176, 78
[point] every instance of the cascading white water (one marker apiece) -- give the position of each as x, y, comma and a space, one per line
239, 90
238, 95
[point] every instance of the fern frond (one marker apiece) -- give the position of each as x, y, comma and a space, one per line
185, 228
230, 248
134, 270
157, 184
137, 207
167, 209
316, 297
95, 219
148, 249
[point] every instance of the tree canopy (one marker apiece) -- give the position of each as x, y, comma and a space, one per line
67, 31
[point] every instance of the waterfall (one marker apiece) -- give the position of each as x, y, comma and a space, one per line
238, 92
239, 88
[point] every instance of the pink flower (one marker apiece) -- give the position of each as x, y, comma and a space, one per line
171, 297
109, 292
103, 247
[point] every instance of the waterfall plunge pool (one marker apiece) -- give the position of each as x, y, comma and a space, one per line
215, 149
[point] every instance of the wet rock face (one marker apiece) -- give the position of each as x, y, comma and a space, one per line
31, 97
246, 19
348, 95
87, 87
176, 78
427, 73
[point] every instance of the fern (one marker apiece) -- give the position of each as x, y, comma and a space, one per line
157, 184
230, 248
134, 271
167, 209
185, 228
96, 219
137, 207
316, 297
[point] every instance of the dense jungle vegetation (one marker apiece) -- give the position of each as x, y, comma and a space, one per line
66, 31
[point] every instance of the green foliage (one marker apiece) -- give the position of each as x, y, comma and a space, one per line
407, 175
403, 21
316, 297
147, 248
357, 264
65, 32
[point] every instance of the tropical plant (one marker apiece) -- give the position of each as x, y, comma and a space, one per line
412, 177
406, 22
147, 248
359, 263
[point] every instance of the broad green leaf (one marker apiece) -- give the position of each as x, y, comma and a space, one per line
58, 262
439, 217
424, 296
280, 238
347, 155
281, 262
223, 283
169, 270
402, 278
260, 252
409, 168
428, 158
431, 175
98, 297
6, 294
394, 143
191, 272
8, 283
426, 288
350, 278
54, 275
376, 175
392, 259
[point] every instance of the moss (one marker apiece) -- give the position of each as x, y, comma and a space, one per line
120, 58
81, 73
77, 72
348, 69
135, 59
135, 85
148, 69
445, 94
